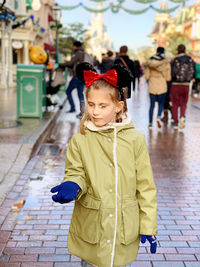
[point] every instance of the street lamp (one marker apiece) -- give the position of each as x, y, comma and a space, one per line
56, 15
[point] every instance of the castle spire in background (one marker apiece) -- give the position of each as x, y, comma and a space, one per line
97, 38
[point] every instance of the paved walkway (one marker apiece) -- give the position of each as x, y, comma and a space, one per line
33, 229
18, 142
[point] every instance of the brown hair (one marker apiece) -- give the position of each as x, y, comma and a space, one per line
115, 97
181, 48
123, 49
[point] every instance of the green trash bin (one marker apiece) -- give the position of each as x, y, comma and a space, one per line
31, 90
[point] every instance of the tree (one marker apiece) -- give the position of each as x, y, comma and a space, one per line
144, 53
173, 40
68, 34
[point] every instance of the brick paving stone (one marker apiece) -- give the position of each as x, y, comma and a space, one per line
32, 232
11, 244
56, 232
62, 238
184, 238
168, 264
23, 227
150, 257
188, 250
54, 257
13, 251
194, 244
169, 232
62, 251
39, 250
4, 236
22, 258
166, 250
44, 237
4, 258
46, 227
170, 244
57, 244
67, 264
141, 264
192, 264
178, 227
26, 244
6, 264
19, 238
178, 257
74, 259
37, 264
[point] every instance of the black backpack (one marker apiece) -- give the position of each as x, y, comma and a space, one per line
183, 71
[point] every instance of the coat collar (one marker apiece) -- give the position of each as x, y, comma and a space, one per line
126, 120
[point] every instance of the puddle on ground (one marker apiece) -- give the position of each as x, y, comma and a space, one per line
39, 177
30, 203
49, 150
18, 205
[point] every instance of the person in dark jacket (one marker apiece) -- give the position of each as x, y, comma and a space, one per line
124, 59
183, 71
75, 82
107, 62
138, 72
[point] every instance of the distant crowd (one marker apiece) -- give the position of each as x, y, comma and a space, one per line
168, 80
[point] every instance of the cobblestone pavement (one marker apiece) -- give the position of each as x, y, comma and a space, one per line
34, 233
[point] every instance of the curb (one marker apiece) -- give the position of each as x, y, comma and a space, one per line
24, 153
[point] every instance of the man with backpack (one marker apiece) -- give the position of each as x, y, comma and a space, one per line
124, 59
79, 56
183, 71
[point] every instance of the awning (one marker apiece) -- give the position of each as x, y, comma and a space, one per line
49, 47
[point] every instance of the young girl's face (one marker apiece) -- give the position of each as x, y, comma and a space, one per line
101, 108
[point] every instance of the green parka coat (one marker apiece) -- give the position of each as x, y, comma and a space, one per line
117, 202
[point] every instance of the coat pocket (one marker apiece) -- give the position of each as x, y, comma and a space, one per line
130, 221
85, 219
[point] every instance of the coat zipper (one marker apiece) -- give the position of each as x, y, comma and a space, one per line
116, 193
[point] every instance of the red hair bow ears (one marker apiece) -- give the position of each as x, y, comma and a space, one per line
91, 76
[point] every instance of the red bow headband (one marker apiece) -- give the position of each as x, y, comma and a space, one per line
91, 76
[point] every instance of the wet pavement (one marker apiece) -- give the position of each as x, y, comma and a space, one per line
33, 229
18, 137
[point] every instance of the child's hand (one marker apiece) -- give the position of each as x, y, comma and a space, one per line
67, 192
152, 240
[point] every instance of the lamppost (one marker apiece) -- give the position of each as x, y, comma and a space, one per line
57, 15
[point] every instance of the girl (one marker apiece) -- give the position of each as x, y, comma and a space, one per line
108, 173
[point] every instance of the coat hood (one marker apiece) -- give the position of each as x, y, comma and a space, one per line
158, 65
159, 56
125, 124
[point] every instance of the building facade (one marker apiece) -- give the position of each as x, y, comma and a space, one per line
30, 27
185, 26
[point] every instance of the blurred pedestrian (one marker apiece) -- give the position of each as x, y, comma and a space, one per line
196, 82
138, 72
124, 59
107, 62
157, 73
183, 71
108, 173
78, 57
96, 64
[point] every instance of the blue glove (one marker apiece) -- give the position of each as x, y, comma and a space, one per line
152, 240
67, 192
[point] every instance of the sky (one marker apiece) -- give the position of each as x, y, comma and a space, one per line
123, 28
